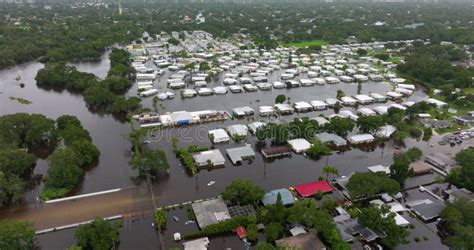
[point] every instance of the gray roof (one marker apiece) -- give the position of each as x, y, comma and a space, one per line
333, 138
428, 210
210, 212
236, 154
214, 156
271, 197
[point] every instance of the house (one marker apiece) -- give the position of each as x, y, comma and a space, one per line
250, 88
266, 110
320, 120
213, 158
427, 209
455, 193
284, 108
381, 110
436, 103
378, 97
311, 188
299, 145
385, 131
332, 80
306, 82
292, 84
277, 151
278, 85
254, 126
147, 93
307, 240
366, 112
270, 198
464, 120
197, 244
221, 90
332, 138
237, 130
434, 123
379, 168
348, 101
318, 105
348, 114
205, 91
364, 99
264, 86
218, 135
243, 111
186, 93
420, 168
394, 95
302, 106
361, 138
236, 89
209, 212
440, 161
237, 155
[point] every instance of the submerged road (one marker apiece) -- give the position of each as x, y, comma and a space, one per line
130, 202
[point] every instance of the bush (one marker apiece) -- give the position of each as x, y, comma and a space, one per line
49, 193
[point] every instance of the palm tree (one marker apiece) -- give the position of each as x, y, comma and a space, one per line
330, 170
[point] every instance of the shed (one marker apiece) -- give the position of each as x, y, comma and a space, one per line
270, 198
299, 145
236, 155
241, 232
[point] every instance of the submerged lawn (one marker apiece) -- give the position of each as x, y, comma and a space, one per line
305, 43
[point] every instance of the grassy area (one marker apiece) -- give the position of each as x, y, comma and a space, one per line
469, 90
395, 59
305, 43
20, 100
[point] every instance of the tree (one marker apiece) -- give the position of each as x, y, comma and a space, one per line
243, 192
11, 188
99, 234
204, 66
459, 224
361, 52
262, 245
367, 184
370, 124
252, 232
340, 126
122, 104
15, 234
318, 149
273, 231
337, 107
464, 174
14, 161
86, 151
330, 170
117, 84
98, 96
340, 94
149, 161
400, 169
160, 219
381, 219
280, 99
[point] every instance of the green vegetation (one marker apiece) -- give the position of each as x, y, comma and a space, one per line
98, 94
310, 43
147, 161
160, 219
99, 234
463, 175
185, 156
318, 149
66, 165
280, 99
16, 234
381, 219
20, 133
400, 169
459, 224
20, 100
367, 184
243, 192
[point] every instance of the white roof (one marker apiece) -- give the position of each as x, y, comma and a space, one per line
256, 125
317, 103
265, 109
303, 105
283, 107
366, 111
219, 134
385, 131
381, 109
361, 138
379, 168
364, 98
299, 145
237, 129
198, 244
348, 99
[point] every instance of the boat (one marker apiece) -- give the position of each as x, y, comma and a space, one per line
211, 183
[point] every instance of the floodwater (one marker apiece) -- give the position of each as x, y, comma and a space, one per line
109, 134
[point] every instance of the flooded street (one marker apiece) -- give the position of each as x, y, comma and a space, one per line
113, 171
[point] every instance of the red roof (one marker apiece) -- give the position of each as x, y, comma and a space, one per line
241, 232
311, 188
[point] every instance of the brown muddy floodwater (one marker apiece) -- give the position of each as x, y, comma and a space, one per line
109, 134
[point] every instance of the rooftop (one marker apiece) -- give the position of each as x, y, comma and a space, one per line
311, 188
271, 197
210, 212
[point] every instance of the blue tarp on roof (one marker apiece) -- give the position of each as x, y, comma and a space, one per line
271, 197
